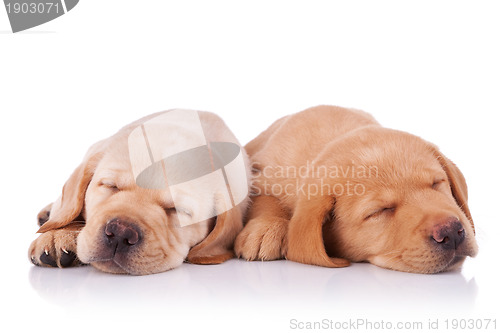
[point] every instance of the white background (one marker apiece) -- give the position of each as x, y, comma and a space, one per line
431, 68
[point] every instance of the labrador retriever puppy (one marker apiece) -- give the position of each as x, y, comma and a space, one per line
106, 217
331, 186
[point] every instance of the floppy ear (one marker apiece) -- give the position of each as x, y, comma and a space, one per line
70, 204
305, 235
457, 184
217, 247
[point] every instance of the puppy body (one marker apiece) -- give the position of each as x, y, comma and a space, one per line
102, 190
332, 186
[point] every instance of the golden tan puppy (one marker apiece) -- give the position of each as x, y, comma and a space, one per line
332, 186
129, 227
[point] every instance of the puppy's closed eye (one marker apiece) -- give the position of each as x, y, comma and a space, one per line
174, 210
436, 184
185, 211
380, 211
110, 185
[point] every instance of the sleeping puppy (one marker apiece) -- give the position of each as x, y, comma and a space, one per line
332, 186
125, 213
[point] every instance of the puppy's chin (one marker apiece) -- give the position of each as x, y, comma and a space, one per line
113, 267
109, 266
455, 264
434, 267
96, 253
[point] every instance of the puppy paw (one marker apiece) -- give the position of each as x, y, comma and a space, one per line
262, 239
44, 215
56, 248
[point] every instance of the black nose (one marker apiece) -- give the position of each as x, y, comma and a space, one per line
449, 235
122, 234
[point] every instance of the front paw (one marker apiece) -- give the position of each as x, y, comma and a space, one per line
262, 239
56, 248
44, 215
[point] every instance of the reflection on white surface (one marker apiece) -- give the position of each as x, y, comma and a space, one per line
253, 296
240, 296
281, 284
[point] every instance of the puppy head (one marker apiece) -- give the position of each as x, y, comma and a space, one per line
394, 200
134, 230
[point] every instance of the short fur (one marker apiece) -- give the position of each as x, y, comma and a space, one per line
103, 188
333, 186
